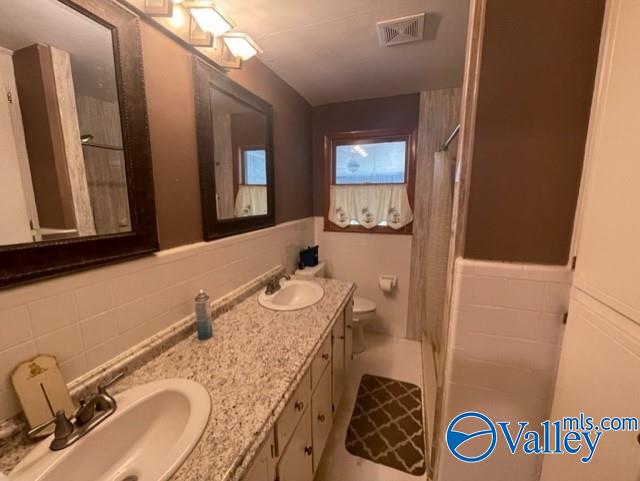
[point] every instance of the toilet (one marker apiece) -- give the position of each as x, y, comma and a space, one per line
315, 271
363, 309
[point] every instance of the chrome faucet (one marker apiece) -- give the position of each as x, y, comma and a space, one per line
90, 414
273, 285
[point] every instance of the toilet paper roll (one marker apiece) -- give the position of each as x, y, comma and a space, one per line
385, 283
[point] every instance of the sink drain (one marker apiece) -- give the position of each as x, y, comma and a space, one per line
133, 477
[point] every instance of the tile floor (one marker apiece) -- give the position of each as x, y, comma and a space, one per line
385, 356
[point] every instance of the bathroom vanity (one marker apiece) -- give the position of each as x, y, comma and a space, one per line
275, 378
294, 447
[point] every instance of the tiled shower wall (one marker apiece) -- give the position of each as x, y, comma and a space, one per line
504, 344
85, 319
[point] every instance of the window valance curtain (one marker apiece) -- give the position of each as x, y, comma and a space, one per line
251, 200
370, 205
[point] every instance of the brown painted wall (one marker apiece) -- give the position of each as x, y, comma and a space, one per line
291, 139
172, 128
170, 99
536, 82
380, 113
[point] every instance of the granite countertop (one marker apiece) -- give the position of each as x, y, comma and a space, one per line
250, 368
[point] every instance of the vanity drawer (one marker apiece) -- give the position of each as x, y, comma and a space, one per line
320, 362
292, 413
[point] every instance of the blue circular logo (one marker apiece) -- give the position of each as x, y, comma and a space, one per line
456, 439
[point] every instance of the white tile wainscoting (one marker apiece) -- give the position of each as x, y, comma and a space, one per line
504, 344
88, 318
363, 257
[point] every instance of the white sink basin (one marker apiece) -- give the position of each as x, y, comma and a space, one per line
293, 295
150, 435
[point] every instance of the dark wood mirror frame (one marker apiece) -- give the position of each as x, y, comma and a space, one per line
26, 262
206, 77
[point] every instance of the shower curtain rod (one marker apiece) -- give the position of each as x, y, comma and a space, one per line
450, 138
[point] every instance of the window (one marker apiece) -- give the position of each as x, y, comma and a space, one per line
370, 177
254, 166
382, 162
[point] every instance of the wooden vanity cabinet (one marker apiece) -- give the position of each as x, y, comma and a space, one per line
259, 470
337, 366
320, 362
292, 412
348, 341
296, 463
321, 416
293, 452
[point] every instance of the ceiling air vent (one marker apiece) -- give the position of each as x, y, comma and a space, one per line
401, 30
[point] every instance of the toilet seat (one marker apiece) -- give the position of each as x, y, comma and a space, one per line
362, 305
363, 310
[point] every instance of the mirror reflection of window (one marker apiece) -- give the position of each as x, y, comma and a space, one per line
240, 157
251, 198
61, 154
254, 162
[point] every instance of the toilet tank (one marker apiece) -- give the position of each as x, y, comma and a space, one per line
315, 271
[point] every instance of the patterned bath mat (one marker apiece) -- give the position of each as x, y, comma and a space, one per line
386, 424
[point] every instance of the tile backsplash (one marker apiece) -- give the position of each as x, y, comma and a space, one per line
505, 337
88, 318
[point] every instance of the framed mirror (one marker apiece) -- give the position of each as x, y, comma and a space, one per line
76, 183
235, 154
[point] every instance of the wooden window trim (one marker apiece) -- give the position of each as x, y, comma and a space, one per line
409, 135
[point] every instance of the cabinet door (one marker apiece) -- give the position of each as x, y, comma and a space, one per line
321, 419
600, 357
293, 412
259, 469
272, 456
320, 362
348, 341
608, 264
296, 463
598, 373
337, 366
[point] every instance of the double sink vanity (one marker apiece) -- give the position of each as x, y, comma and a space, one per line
255, 403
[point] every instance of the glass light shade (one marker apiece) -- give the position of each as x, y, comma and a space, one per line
241, 45
210, 20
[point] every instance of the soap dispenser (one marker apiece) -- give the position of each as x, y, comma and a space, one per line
204, 326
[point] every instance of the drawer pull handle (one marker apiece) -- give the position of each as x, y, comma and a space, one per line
308, 450
325, 357
321, 418
348, 326
298, 406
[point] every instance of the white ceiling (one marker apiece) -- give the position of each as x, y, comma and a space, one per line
328, 50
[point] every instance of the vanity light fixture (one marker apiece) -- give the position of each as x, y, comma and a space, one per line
241, 45
209, 18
